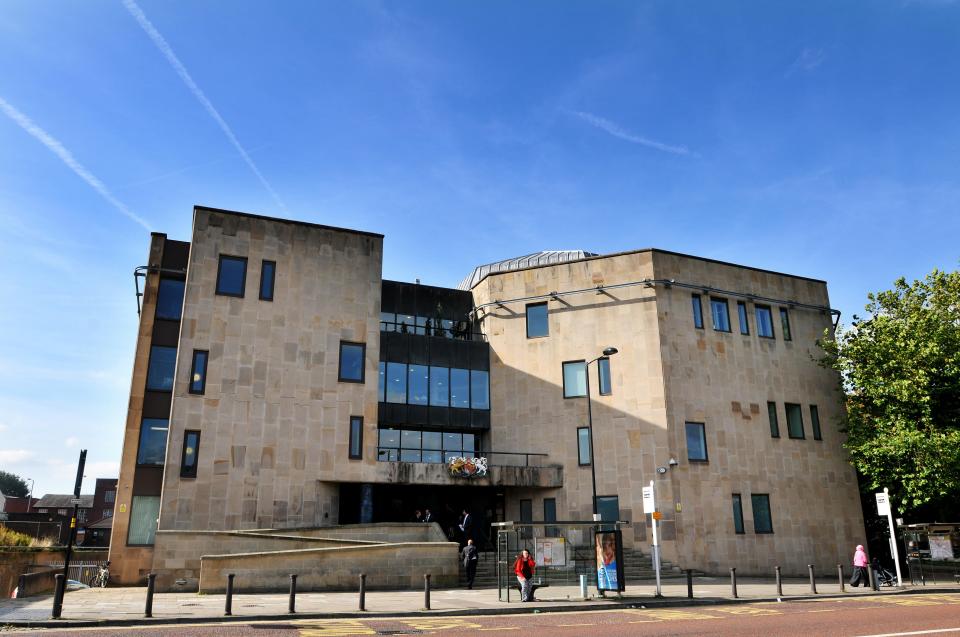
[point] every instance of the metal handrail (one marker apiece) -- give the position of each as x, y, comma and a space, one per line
473, 454
459, 332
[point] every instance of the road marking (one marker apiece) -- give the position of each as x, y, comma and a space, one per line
672, 614
339, 628
588, 624
823, 610
746, 610
503, 628
918, 632
440, 624
645, 621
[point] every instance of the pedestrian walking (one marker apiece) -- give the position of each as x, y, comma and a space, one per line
859, 568
523, 568
470, 557
466, 527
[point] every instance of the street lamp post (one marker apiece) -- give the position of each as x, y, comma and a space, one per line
607, 352
30, 496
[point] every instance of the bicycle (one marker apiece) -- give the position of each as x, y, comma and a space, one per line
102, 576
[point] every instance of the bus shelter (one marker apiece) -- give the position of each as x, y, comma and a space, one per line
563, 551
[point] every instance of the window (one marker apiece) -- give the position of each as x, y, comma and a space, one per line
764, 321
696, 441
268, 272
538, 323
583, 446
144, 510
396, 388
785, 323
423, 446
198, 372
388, 322
608, 506
163, 360
479, 389
460, 388
794, 420
737, 514
382, 381
762, 522
742, 315
574, 379
774, 423
439, 386
356, 438
418, 385
170, 299
109, 496
603, 373
526, 515
108, 513
188, 459
550, 515
721, 314
697, 312
81, 515
815, 422
231, 276
153, 441
351, 362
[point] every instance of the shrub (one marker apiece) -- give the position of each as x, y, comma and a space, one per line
12, 538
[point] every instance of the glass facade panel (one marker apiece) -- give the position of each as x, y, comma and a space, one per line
351, 362
418, 388
469, 444
410, 439
163, 360
764, 321
696, 441
421, 322
603, 375
410, 455
720, 313
574, 379
460, 388
762, 520
737, 513
583, 445
356, 437
424, 446
389, 438
785, 324
452, 442
188, 460
742, 315
479, 389
382, 382
198, 372
432, 440
537, 320
231, 275
396, 383
388, 322
774, 423
406, 323
153, 441
144, 510
794, 421
267, 273
697, 311
170, 299
439, 386
815, 422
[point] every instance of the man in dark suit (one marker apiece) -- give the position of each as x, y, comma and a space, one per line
466, 527
428, 517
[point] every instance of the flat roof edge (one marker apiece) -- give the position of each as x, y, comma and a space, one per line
308, 224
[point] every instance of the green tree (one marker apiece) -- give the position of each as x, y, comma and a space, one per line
13, 485
900, 368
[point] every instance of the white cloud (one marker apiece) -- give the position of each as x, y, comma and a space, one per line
808, 60
3, 427
619, 132
72, 441
13, 456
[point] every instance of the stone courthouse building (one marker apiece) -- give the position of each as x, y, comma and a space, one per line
286, 396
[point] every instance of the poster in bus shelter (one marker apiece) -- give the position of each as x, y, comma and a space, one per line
550, 551
609, 545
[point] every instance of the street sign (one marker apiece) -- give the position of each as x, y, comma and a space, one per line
649, 506
76, 501
657, 515
883, 504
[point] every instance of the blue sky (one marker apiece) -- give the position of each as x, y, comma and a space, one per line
816, 138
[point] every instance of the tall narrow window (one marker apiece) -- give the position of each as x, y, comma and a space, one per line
696, 441
583, 446
163, 360
439, 386
188, 458
737, 513
720, 313
351, 362
785, 323
267, 274
382, 382
479, 389
794, 420
762, 520
460, 388
697, 312
396, 383
742, 315
764, 321
231, 276
356, 438
170, 299
144, 510
774, 423
538, 323
153, 441
198, 372
418, 386
526, 515
574, 379
815, 422
550, 515
603, 374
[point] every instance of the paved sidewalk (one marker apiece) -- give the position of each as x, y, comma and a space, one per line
119, 606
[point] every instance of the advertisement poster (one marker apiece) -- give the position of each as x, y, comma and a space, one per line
551, 551
609, 545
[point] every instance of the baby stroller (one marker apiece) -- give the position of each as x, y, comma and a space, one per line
883, 576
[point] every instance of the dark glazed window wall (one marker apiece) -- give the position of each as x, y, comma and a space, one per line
774, 423
785, 323
170, 299
267, 275
603, 374
188, 459
198, 372
351, 362
396, 383
526, 515
153, 441
762, 521
163, 360
737, 513
423, 446
583, 446
418, 387
356, 438
720, 312
538, 323
460, 388
764, 321
550, 515
231, 276
479, 389
742, 315
439, 386
574, 379
815, 422
794, 421
696, 441
697, 312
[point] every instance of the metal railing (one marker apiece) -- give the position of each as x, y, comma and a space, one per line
436, 456
457, 330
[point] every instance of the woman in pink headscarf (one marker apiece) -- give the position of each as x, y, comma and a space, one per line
859, 568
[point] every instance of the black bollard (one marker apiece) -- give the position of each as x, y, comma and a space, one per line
228, 608
58, 595
813, 579
22, 586
689, 583
148, 608
426, 591
840, 578
779, 581
871, 578
363, 591
733, 582
293, 593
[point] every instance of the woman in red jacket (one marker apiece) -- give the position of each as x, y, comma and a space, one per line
523, 567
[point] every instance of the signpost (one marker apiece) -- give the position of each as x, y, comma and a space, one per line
650, 506
883, 509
